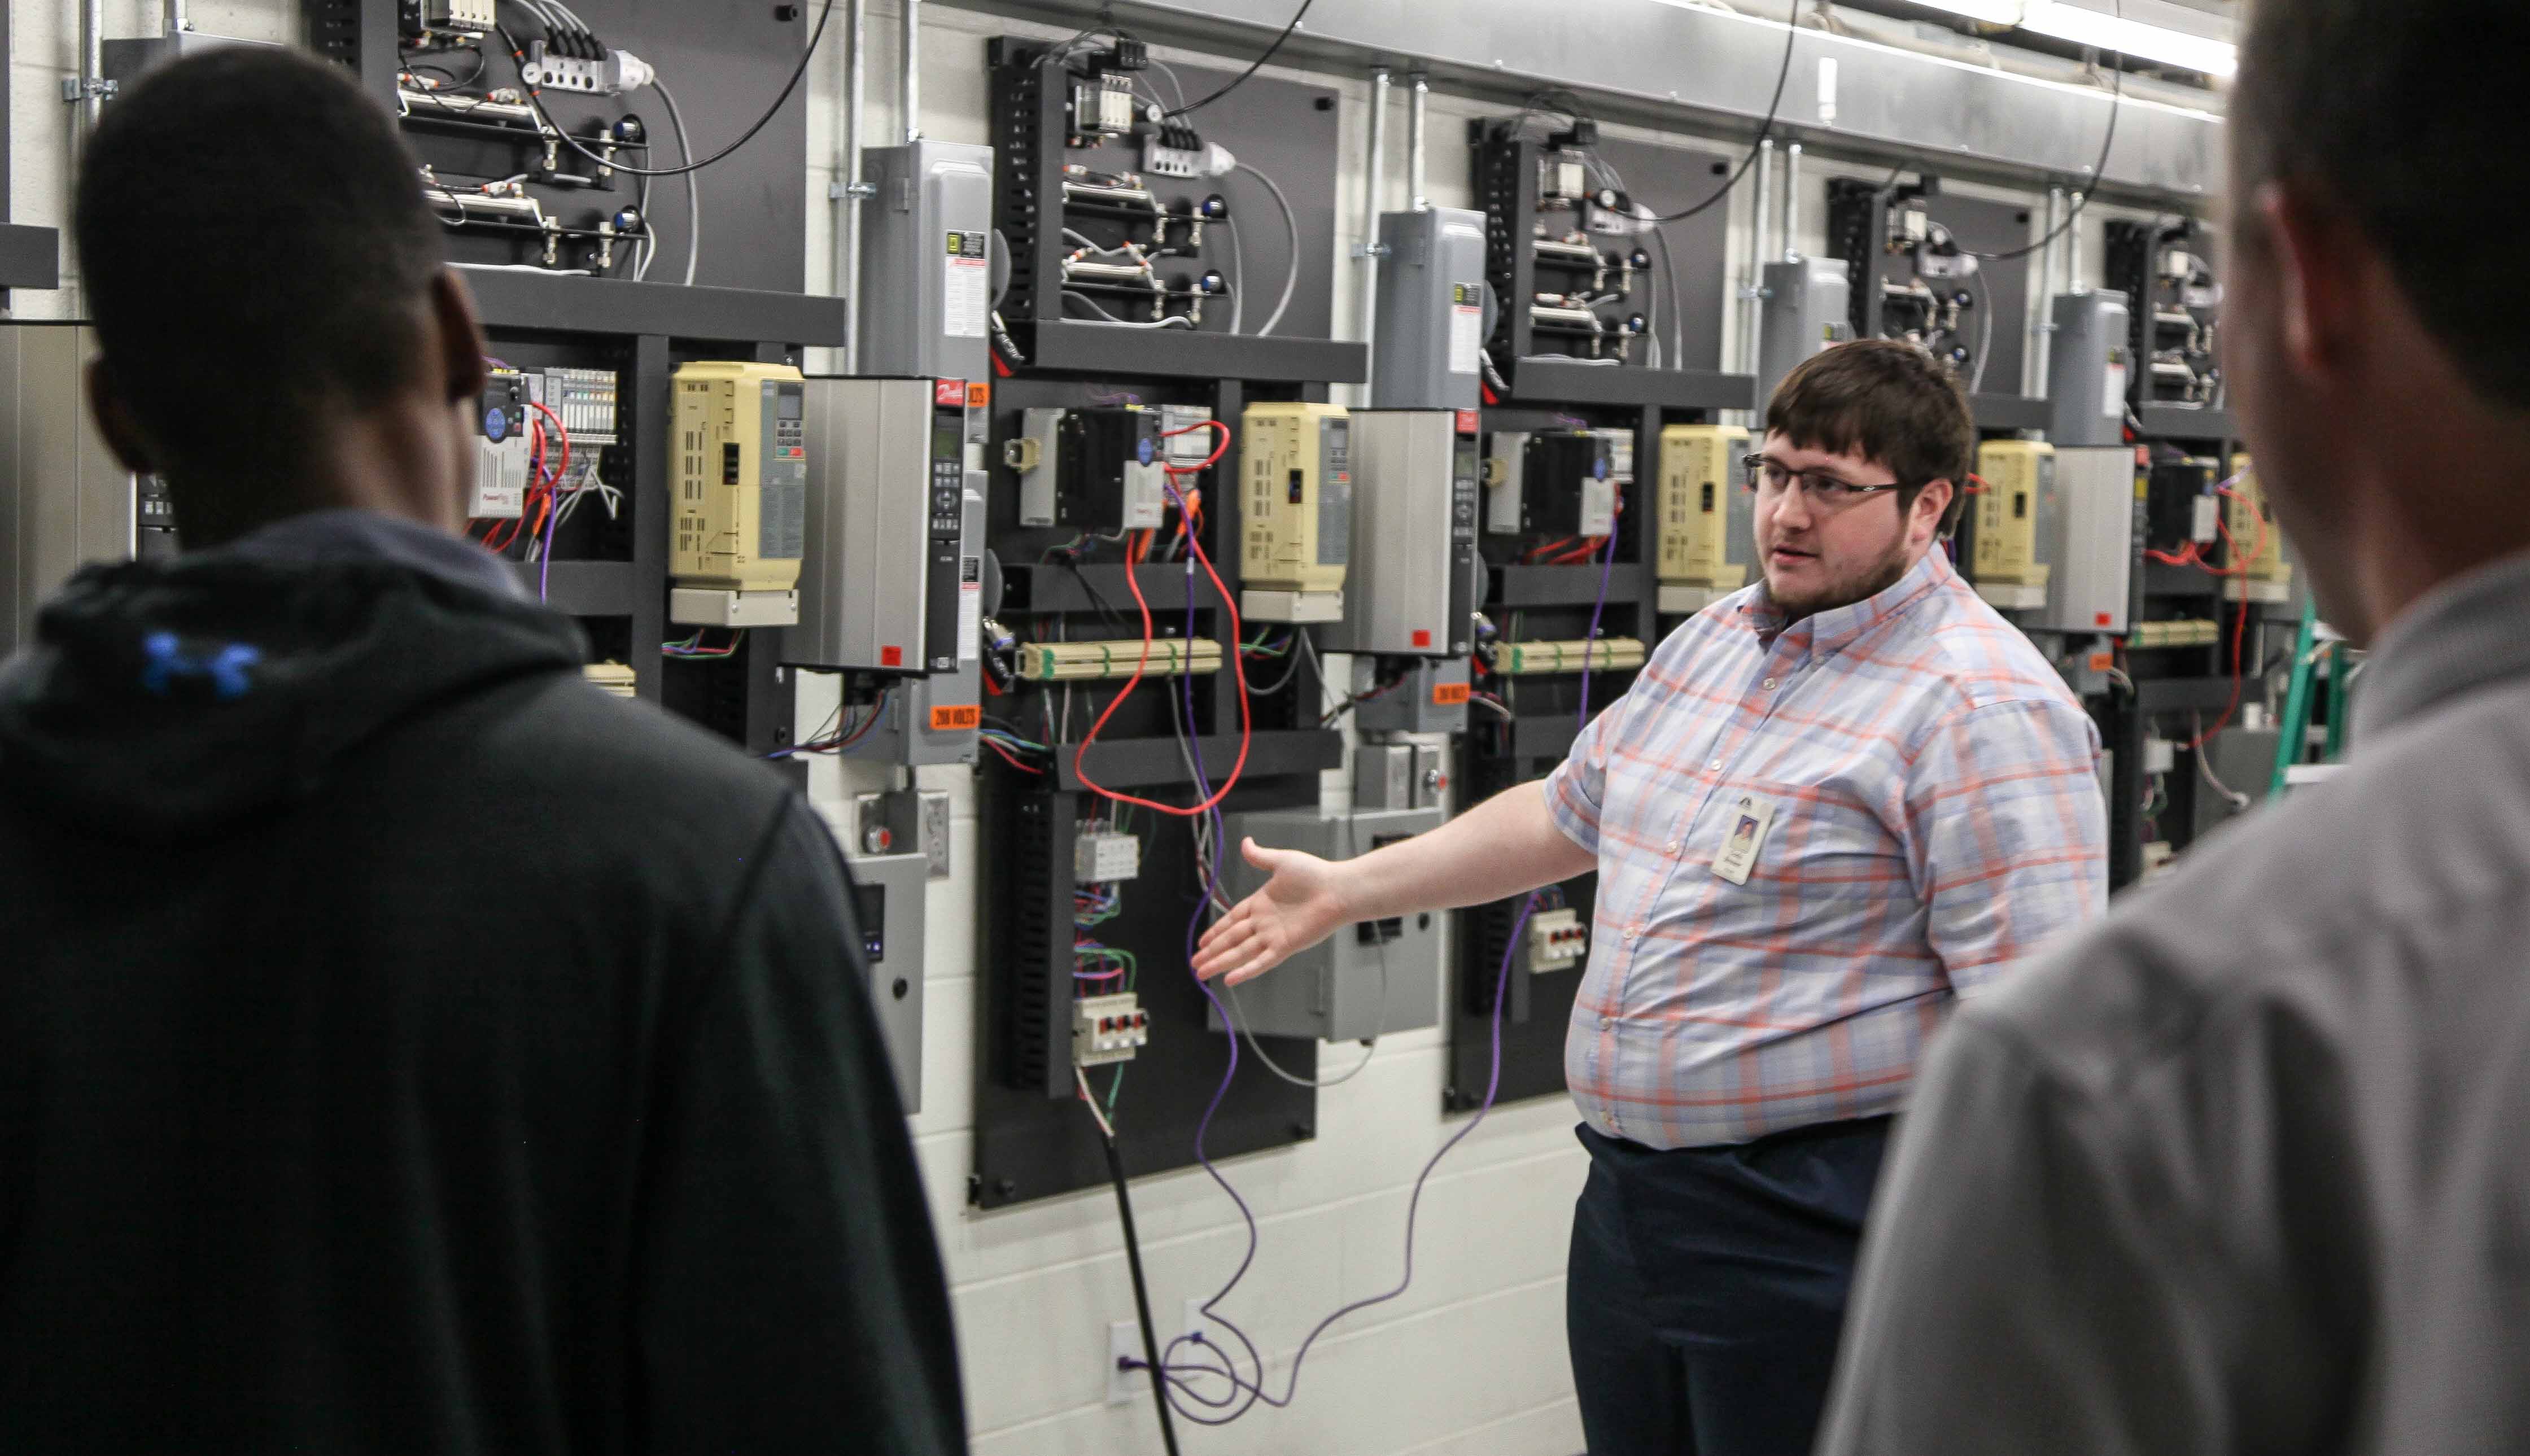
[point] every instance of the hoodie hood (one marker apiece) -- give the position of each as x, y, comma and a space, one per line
167, 700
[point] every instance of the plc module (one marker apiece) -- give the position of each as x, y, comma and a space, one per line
2019, 482
1296, 465
742, 495
1705, 513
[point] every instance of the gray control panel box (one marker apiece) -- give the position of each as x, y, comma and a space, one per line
2089, 542
1410, 589
1370, 979
2087, 367
65, 500
888, 909
1808, 307
1430, 310
928, 263
1431, 698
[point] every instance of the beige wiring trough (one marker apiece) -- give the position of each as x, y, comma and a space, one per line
1074, 662
1602, 655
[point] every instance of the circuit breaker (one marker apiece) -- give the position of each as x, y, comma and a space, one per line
1411, 587
1296, 465
65, 500
1431, 325
888, 907
1098, 470
895, 580
1551, 483
742, 495
926, 261
2019, 487
501, 420
1707, 515
2269, 578
1373, 979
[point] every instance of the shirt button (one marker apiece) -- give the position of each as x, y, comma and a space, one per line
1605, 1022
1631, 932
1715, 766
1674, 845
1770, 682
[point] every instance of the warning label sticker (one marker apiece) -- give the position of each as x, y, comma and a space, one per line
1466, 326
967, 298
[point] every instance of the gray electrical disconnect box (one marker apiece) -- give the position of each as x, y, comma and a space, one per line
1431, 698
2091, 542
1410, 589
893, 579
927, 261
65, 500
1370, 979
2086, 370
1808, 307
1430, 310
887, 906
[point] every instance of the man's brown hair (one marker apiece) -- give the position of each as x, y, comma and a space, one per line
1884, 401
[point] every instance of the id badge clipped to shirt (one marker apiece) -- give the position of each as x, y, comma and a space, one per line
1751, 819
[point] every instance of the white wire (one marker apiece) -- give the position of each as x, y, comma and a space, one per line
1081, 1077
1370, 1048
1173, 320
2205, 765
1238, 275
694, 190
1292, 225
1985, 333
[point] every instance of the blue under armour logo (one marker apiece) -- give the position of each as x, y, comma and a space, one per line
226, 670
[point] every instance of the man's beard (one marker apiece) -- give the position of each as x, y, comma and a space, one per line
1881, 574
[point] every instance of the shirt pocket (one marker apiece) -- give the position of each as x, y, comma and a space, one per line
1823, 862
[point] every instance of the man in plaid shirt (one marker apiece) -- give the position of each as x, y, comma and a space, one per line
1832, 804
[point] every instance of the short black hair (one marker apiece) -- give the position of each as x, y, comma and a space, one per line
256, 249
2395, 111
1887, 400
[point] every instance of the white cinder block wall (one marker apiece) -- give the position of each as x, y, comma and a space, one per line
1470, 1362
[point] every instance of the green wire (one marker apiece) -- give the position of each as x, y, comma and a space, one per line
1112, 1088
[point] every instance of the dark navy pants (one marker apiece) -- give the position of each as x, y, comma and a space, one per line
1707, 1286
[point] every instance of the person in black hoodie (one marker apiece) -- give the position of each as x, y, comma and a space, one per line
404, 1046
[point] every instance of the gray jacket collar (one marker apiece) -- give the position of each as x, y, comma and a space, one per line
2467, 634
365, 535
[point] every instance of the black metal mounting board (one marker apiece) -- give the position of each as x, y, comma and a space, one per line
1505, 181
2183, 695
30, 257
728, 61
1857, 218
1032, 1141
1551, 381
1144, 763
1537, 1008
2008, 411
2187, 424
610, 305
2162, 579
1281, 129
581, 588
1567, 586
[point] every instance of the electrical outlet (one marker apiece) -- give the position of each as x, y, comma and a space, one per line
1125, 1381
935, 831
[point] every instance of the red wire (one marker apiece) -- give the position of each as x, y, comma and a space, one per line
1239, 666
1219, 447
1012, 761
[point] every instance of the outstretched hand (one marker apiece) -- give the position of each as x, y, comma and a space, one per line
1300, 906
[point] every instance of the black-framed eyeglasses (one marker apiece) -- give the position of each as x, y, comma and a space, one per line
1826, 492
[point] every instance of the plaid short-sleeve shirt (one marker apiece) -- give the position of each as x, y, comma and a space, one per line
1811, 838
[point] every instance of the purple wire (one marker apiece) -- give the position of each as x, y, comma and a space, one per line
553, 522
1255, 1390
1590, 654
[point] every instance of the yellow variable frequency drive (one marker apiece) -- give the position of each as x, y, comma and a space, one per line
741, 494
2269, 578
1295, 463
2018, 475
1700, 499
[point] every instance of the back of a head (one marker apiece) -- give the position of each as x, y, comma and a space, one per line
257, 251
2407, 114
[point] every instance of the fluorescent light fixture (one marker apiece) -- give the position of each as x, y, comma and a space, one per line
2086, 26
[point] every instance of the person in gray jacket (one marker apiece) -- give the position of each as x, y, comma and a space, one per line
2243, 1168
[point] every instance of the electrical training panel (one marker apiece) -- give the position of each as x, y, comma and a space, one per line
1566, 245
1707, 515
1553, 483
1909, 276
1296, 461
742, 472
2165, 267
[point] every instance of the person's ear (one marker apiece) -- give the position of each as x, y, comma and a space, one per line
114, 420
459, 330
2315, 252
1931, 503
